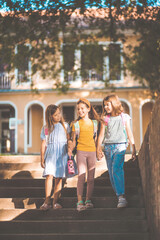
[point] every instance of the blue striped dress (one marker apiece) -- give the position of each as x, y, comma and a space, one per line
56, 154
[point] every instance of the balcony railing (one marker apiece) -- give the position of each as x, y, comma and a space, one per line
5, 82
92, 75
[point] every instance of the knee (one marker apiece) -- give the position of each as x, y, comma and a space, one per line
49, 177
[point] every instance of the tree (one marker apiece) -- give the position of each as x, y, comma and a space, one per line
44, 25
144, 61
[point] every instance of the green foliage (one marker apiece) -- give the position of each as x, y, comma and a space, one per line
144, 58
44, 25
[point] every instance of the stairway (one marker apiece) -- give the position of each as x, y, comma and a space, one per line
22, 193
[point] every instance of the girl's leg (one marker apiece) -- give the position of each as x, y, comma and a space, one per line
91, 165
57, 190
48, 188
81, 165
118, 171
108, 152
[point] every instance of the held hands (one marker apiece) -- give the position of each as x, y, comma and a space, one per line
100, 153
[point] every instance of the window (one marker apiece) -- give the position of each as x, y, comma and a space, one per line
4, 69
114, 62
23, 64
92, 62
68, 62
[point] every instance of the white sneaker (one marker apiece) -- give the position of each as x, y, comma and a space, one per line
122, 202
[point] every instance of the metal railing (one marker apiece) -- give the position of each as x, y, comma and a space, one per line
5, 82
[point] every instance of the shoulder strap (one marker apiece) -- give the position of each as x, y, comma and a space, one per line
106, 120
77, 128
123, 120
46, 131
124, 127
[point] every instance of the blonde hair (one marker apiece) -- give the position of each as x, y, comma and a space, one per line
116, 104
50, 110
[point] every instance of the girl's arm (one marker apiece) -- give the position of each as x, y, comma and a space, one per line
43, 149
131, 139
71, 143
100, 140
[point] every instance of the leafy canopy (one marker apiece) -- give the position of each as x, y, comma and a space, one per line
44, 25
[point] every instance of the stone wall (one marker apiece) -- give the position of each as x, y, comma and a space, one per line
149, 163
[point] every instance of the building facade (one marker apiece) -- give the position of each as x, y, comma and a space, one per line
22, 111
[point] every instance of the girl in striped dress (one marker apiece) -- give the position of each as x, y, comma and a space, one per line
54, 154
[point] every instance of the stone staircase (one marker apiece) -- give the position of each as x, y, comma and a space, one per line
22, 193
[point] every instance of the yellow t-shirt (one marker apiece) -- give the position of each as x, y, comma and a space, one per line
85, 140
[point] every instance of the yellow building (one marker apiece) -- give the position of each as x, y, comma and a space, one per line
22, 112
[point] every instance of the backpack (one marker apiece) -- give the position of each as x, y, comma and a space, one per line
77, 132
46, 135
123, 121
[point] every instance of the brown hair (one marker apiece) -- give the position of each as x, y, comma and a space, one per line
116, 104
50, 110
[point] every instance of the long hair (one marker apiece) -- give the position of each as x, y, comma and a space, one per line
50, 110
116, 104
93, 115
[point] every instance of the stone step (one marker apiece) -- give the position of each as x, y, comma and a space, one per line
36, 158
68, 202
4, 174
101, 181
73, 214
20, 166
36, 165
7, 174
78, 236
22, 158
22, 194
72, 226
40, 191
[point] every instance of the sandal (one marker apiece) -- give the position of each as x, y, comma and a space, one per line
45, 206
57, 206
80, 206
88, 204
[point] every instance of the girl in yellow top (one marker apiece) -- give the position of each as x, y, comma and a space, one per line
86, 150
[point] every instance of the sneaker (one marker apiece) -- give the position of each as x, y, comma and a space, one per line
88, 204
122, 202
45, 206
80, 206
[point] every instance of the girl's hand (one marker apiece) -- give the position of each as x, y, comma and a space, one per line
100, 154
133, 152
42, 163
69, 152
70, 147
43, 149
